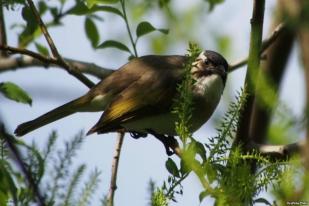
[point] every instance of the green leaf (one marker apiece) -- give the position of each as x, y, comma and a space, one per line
200, 149
92, 32
184, 167
210, 171
54, 11
107, 1
82, 9
203, 195
172, 167
145, 28
42, 7
30, 28
7, 183
115, 44
91, 3
213, 3
79, 9
41, 49
109, 9
14, 92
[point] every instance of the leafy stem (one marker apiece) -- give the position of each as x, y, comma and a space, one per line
122, 2
178, 182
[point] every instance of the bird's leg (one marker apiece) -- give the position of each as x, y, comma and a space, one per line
137, 135
168, 141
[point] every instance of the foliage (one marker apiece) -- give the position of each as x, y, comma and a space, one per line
293, 187
225, 168
52, 171
14, 92
183, 106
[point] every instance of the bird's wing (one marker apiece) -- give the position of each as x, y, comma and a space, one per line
153, 92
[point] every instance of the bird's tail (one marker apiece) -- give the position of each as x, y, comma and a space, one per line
51, 116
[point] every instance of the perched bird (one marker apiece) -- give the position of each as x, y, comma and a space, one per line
138, 97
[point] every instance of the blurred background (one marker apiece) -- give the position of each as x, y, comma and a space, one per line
225, 28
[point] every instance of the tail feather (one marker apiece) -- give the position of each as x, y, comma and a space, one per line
51, 116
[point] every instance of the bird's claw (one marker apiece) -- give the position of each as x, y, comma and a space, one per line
168, 141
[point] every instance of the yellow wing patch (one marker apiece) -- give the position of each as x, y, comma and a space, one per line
120, 108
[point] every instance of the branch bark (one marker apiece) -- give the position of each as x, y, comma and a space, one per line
2, 31
24, 62
272, 69
303, 37
115, 164
278, 152
242, 136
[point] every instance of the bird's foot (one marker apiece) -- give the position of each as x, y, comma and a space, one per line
137, 135
168, 141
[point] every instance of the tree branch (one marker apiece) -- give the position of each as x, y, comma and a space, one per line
15, 50
303, 37
2, 30
115, 164
272, 71
54, 50
35, 59
18, 157
242, 135
24, 62
44, 30
265, 45
277, 152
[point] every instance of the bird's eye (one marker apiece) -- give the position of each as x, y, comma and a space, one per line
206, 62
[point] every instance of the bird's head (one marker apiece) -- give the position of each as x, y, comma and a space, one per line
209, 63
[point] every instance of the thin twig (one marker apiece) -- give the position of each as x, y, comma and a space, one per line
54, 50
265, 45
128, 27
44, 30
18, 157
115, 164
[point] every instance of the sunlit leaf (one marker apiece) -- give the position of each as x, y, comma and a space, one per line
14, 92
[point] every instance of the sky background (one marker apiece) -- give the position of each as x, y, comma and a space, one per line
143, 159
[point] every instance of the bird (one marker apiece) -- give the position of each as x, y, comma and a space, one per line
138, 98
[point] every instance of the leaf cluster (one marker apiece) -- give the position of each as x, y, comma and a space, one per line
51, 169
